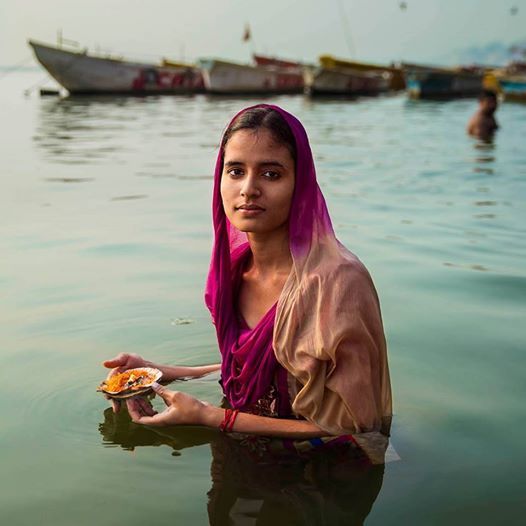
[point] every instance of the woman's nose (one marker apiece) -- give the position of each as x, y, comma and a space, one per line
250, 187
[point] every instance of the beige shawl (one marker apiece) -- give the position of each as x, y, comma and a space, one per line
328, 334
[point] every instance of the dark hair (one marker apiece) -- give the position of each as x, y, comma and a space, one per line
263, 117
487, 94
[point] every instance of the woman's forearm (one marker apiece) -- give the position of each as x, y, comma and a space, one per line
178, 371
262, 425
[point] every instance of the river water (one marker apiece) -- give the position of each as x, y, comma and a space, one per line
105, 235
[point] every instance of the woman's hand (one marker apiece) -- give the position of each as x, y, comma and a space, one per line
125, 361
122, 362
181, 408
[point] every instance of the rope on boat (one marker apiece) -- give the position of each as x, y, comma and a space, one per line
38, 84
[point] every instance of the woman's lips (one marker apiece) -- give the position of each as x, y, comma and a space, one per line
250, 210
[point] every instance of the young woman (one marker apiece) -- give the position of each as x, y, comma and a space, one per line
297, 316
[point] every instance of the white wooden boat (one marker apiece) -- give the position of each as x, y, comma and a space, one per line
265, 60
83, 73
345, 81
231, 78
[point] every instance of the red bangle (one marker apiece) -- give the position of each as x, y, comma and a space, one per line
226, 418
228, 421
230, 425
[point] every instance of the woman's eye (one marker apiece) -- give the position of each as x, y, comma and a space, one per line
235, 172
271, 175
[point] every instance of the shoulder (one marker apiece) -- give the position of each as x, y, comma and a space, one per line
344, 275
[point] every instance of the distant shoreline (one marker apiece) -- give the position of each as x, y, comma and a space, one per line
20, 68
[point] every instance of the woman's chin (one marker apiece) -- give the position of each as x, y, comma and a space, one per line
261, 232
256, 225
251, 229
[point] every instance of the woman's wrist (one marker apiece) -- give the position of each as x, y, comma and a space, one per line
165, 369
212, 416
229, 420
171, 372
147, 363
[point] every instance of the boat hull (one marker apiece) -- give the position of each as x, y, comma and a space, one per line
514, 89
345, 82
427, 83
80, 73
229, 78
396, 83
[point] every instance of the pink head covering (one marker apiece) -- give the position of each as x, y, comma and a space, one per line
248, 371
327, 316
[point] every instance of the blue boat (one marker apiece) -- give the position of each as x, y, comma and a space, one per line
432, 82
513, 88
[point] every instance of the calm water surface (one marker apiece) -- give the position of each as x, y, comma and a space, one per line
105, 235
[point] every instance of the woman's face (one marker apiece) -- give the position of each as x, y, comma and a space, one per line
257, 182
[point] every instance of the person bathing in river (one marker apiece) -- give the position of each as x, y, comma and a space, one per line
297, 317
483, 123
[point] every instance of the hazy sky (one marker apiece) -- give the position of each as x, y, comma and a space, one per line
428, 30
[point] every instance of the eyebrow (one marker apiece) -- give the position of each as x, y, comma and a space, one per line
260, 164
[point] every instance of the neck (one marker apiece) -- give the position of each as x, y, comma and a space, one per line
270, 252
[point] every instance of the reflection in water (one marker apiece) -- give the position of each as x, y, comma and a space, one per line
481, 268
325, 488
69, 179
118, 430
155, 136
333, 487
485, 216
81, 131
484, 155
129, 197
